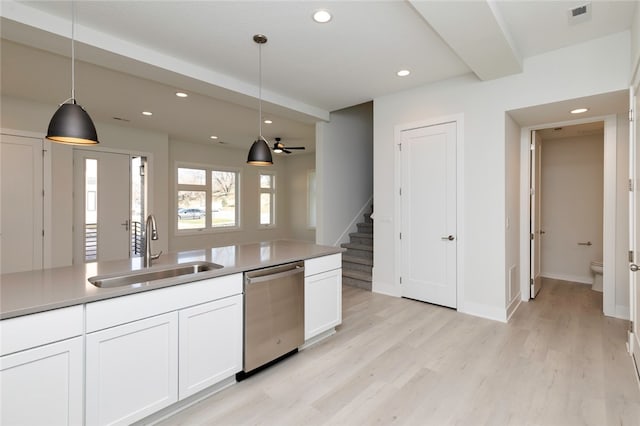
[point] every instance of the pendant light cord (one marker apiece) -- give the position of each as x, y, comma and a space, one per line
260, 89
73, 52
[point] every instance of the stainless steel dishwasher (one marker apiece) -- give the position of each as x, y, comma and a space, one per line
273, 314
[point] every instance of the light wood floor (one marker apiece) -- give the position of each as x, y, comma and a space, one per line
559, 361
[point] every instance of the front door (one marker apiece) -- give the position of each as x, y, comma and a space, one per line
428, 202
102, 213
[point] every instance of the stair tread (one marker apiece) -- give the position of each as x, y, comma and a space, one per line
361, 234
361, 260
357, 247
359, 275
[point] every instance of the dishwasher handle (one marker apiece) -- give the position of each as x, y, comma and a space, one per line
263, 278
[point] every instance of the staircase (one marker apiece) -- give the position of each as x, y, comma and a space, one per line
357, 261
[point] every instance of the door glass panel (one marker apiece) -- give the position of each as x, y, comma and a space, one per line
91, 210
138, 203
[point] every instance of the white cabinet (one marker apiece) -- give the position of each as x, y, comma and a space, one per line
41, 368
210, 344
322, 295
43, 385
148, 350
132, 370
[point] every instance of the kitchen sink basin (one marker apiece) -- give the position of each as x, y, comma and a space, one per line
139, 277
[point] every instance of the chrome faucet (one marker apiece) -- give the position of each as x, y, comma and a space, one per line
150, 233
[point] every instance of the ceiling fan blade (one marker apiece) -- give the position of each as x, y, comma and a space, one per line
296, 147
287, 151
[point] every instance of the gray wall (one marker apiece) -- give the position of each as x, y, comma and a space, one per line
344, 153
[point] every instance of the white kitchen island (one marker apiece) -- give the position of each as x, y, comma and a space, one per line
73, 353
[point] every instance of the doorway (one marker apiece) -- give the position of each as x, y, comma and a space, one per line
109, 205
610, 188
569, 235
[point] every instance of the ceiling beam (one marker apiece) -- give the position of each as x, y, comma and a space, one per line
26, 25
476, 32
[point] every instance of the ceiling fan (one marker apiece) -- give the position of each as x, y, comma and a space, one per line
279, 147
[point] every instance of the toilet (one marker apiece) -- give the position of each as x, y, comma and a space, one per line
596, 269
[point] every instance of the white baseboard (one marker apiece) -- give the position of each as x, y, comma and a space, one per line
385, 288
622, 312
571, 278
513, 306
483, 311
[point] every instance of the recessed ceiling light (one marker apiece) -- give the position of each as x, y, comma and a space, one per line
268, 122
147, 113
579, 110
322, 16
181, 94
213, 137
403, 73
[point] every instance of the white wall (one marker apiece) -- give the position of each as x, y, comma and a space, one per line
572, 206
635, 43
298, 168
599, 66
512, 211
344, 159
29, 116
622, 217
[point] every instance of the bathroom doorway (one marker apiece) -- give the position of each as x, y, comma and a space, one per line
571, 198
614, 187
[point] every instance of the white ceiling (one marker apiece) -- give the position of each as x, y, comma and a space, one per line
134, 55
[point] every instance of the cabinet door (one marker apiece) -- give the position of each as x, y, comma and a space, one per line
322, 302
210, 344
132, 370
42, 386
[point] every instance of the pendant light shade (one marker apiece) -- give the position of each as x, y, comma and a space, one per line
71, 124
259, 153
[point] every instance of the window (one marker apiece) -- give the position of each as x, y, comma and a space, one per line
207, 198
267, 199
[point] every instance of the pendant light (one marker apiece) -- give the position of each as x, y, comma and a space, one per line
71, 124
260, 154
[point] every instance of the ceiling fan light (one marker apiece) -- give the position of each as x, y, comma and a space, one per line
259, 154
72, 125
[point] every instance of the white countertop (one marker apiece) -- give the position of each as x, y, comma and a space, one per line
29, 292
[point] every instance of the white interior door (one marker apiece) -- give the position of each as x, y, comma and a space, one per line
536, 212
102, 213
428, 203
634, 225
21, 204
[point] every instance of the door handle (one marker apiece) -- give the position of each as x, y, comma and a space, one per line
448, 238
634, 268
126, 225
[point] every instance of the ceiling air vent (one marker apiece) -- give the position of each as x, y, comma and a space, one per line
580, 14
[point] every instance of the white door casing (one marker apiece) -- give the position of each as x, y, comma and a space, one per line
21, 203
634, 225
428, 214
536, 212
113, 205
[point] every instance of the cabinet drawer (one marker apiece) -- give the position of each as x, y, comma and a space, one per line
120, 310
322, 264
28, 331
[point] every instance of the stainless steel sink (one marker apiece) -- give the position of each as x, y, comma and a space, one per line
139, 277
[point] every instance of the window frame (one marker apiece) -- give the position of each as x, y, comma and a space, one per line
273, 191
208, 189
